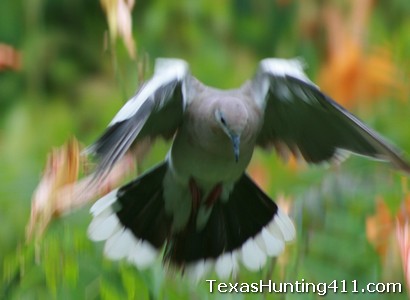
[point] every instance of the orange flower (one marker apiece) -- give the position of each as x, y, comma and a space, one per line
61, 169
60, 191
379, 227
383, 233
259, 174
352, 73
403, 238
119, 19
10, 58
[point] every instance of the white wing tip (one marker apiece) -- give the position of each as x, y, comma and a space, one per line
166, 70
282, 64
283, 67
177, 66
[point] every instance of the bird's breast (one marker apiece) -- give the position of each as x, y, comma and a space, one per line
207, 159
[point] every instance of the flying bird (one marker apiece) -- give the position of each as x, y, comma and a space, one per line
199, 203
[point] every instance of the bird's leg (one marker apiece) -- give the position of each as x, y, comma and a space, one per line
213, 196
195, 195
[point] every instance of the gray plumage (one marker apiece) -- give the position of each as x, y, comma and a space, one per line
199, 203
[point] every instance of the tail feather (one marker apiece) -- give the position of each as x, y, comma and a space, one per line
132, 220
247, 227
142, 208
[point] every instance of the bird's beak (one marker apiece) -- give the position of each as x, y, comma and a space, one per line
235, 143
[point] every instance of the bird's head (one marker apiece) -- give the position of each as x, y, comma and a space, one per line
232, 118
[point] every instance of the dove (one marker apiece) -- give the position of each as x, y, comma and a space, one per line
198, 204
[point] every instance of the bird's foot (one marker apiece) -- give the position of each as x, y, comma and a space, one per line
195, 195
213, 196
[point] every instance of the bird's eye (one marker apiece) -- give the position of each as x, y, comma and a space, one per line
223, 121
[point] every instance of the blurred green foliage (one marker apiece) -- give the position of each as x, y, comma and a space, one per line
72, 83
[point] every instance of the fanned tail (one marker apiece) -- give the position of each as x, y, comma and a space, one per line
247, 228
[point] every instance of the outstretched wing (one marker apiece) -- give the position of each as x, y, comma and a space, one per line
300, 120
156, 109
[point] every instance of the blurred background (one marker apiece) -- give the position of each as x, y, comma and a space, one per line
67, 66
